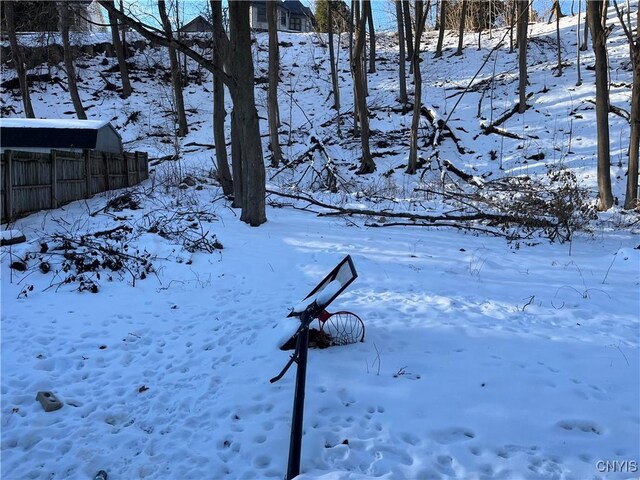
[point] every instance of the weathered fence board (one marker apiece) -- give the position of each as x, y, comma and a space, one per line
70, 176
31, 181
98, 182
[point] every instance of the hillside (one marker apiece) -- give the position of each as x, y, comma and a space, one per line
491, 350
556, 132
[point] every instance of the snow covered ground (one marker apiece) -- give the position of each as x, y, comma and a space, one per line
482, 358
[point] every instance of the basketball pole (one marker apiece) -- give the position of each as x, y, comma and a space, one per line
320, 297
295, 443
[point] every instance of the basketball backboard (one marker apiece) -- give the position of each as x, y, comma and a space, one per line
330, 287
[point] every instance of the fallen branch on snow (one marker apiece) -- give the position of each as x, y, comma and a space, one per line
499, 131
493, 218
621, 112
468, 178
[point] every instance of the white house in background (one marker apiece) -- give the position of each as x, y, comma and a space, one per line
292, 16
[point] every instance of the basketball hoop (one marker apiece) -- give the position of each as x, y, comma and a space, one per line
340, 328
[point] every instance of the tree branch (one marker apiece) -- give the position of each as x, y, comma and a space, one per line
624, 25
156, 36
499, 219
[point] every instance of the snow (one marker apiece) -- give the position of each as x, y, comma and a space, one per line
478, 358
328, 292
302, 306
483, 358
321, 298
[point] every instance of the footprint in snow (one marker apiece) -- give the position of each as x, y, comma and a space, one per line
410, 439
583, 426
453, 435
475, 451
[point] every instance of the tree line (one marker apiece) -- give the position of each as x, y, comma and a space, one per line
231, 64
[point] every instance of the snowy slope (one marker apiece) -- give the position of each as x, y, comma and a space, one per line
558, 125
482, 358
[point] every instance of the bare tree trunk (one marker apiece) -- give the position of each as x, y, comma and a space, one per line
365, 77
182, 59
463, 19
352, 21
355, 19
176, 75
531, 10
219, 115
236, 160
366, 163
578, 61
523, 23
556, 10
220, 53
442, 21
584, 45
631, 194
272, 100
18, 59
558, 15
402, 96
65, 22
246, 115
512, 17
421, 17
599, 38
332, 60
372, 42
408, 35
124, 33
490, 11
122, 62
480, 12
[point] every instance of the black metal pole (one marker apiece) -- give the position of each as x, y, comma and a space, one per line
295, 444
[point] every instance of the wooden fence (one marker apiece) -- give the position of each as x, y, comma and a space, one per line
32, 181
